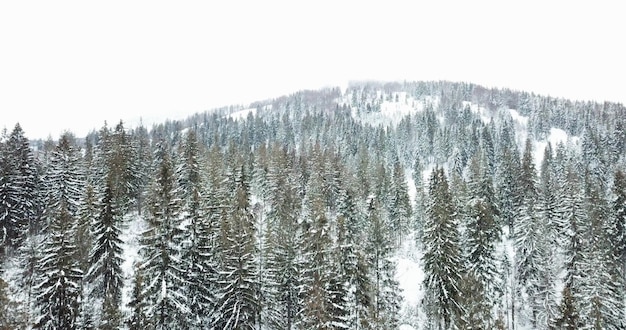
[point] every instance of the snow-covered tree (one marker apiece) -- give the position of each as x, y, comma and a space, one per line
58, 290
19, 190
237, 302
386, 296
282, 265
196, 248
443, 265
318, 310
483, 233
162, 269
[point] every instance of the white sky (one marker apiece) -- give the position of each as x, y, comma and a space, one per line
74, 64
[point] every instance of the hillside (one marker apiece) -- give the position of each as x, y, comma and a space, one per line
415, 205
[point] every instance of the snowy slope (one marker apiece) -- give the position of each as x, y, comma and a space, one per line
393, 109
409, 271
242, 114
131, 235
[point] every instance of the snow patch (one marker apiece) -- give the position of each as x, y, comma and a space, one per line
410, 275
130, 237
481, 111
519, 119
392, 111
242, 114
555, 137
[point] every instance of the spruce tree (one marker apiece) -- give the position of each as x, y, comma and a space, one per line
400, 210
482, 236
386, 297
19, 190
237, 305
575, 217
603, 304
618, 230
355, 265
138, 319
282, 256
533, 273
114, 188
59, 287
162, 269
443, 266
105, 273
195, 250
316, 311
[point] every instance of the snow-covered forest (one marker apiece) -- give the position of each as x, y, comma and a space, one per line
421, 205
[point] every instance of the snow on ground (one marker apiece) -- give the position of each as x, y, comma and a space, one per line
130, 238
411, 185
519, 119
242, 114
555, 137
410, 276
520, 125
482, 111
393, 110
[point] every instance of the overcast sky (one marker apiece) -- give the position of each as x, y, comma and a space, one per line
74, 64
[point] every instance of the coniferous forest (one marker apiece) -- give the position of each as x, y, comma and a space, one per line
298, 213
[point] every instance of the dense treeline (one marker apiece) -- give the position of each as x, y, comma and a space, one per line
291, 217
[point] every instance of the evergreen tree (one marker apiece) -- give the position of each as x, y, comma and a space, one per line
282, 263
574, 214
386, 297
482, 235
105, 273
569, 316
317, 305
162, 269
534, 275
237, 303
618, 230
59, 286
355, 265
603, 304
138, 319
400, 210
443, 266
196, 250
19, 189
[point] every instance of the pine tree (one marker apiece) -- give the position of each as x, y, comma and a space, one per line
400, 210
603, 304
533, 275
196, 250
88, 212
138, 319
162, 268
386, 297
19, 189
507, 169
237, 303
282, 264
114, 188
354, 263
105, 273
574, 214
59, 287
483, 233
443, 266
569, 316
10, 316
618, 230
317, 258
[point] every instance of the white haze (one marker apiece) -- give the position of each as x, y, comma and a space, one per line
74, 64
